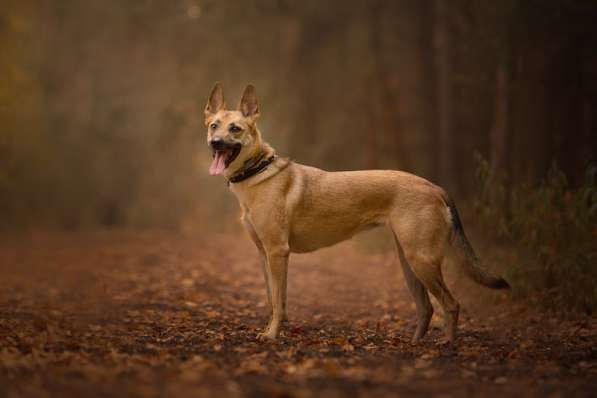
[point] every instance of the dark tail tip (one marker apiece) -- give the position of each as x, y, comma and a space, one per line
499, 283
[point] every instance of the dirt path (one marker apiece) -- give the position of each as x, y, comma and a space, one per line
154, 314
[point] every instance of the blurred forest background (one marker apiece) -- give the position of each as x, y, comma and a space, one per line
101, 106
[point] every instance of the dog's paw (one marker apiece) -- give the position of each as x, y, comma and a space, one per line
266, 336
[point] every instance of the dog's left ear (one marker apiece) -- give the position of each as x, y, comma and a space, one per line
248, 104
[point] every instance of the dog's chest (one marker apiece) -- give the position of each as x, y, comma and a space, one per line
244, 198
250, 200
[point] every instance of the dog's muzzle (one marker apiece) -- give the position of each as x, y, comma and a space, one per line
223, 154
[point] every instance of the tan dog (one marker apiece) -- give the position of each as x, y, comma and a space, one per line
291, 208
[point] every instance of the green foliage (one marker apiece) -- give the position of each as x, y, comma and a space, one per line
552, 228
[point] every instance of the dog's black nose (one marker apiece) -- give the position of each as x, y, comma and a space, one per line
217, 143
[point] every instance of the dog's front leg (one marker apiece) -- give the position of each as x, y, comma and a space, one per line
277, 261
263, 255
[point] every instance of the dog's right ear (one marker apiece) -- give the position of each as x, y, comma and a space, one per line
215, 102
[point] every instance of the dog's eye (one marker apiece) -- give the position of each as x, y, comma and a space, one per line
213, 126
235, 129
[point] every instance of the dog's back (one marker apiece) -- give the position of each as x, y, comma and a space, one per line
332, 206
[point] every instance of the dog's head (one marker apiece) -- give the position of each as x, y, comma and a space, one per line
232, 135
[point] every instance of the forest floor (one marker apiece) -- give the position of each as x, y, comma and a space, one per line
148, 314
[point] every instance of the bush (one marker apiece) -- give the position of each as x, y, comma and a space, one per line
552, 228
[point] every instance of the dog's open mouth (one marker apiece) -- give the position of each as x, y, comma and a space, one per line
222, 158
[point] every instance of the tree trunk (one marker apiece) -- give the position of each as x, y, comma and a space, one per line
388, 103
501, 135
443, 71
498, 136
372, 150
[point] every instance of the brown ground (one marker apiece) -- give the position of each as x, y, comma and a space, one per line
156, 314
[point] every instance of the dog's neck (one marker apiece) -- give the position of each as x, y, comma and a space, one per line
261, 153
252, 167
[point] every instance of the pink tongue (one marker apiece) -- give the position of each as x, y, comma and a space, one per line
219, 163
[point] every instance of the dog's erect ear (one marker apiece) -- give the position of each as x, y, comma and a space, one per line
215, 101
248, 104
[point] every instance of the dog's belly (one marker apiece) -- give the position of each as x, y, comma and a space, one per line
306, 237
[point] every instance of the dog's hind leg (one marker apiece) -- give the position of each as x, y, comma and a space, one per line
428, 272
423, 246
435, 283
419, 293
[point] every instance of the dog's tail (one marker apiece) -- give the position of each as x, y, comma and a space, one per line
470, 262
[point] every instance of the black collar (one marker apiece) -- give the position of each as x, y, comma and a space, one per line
257, 167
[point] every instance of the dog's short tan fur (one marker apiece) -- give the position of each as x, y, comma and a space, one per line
290, 207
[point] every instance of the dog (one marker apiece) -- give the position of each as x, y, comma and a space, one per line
288, 208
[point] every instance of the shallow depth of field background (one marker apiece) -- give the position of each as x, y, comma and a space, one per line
116, 245
101, 101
